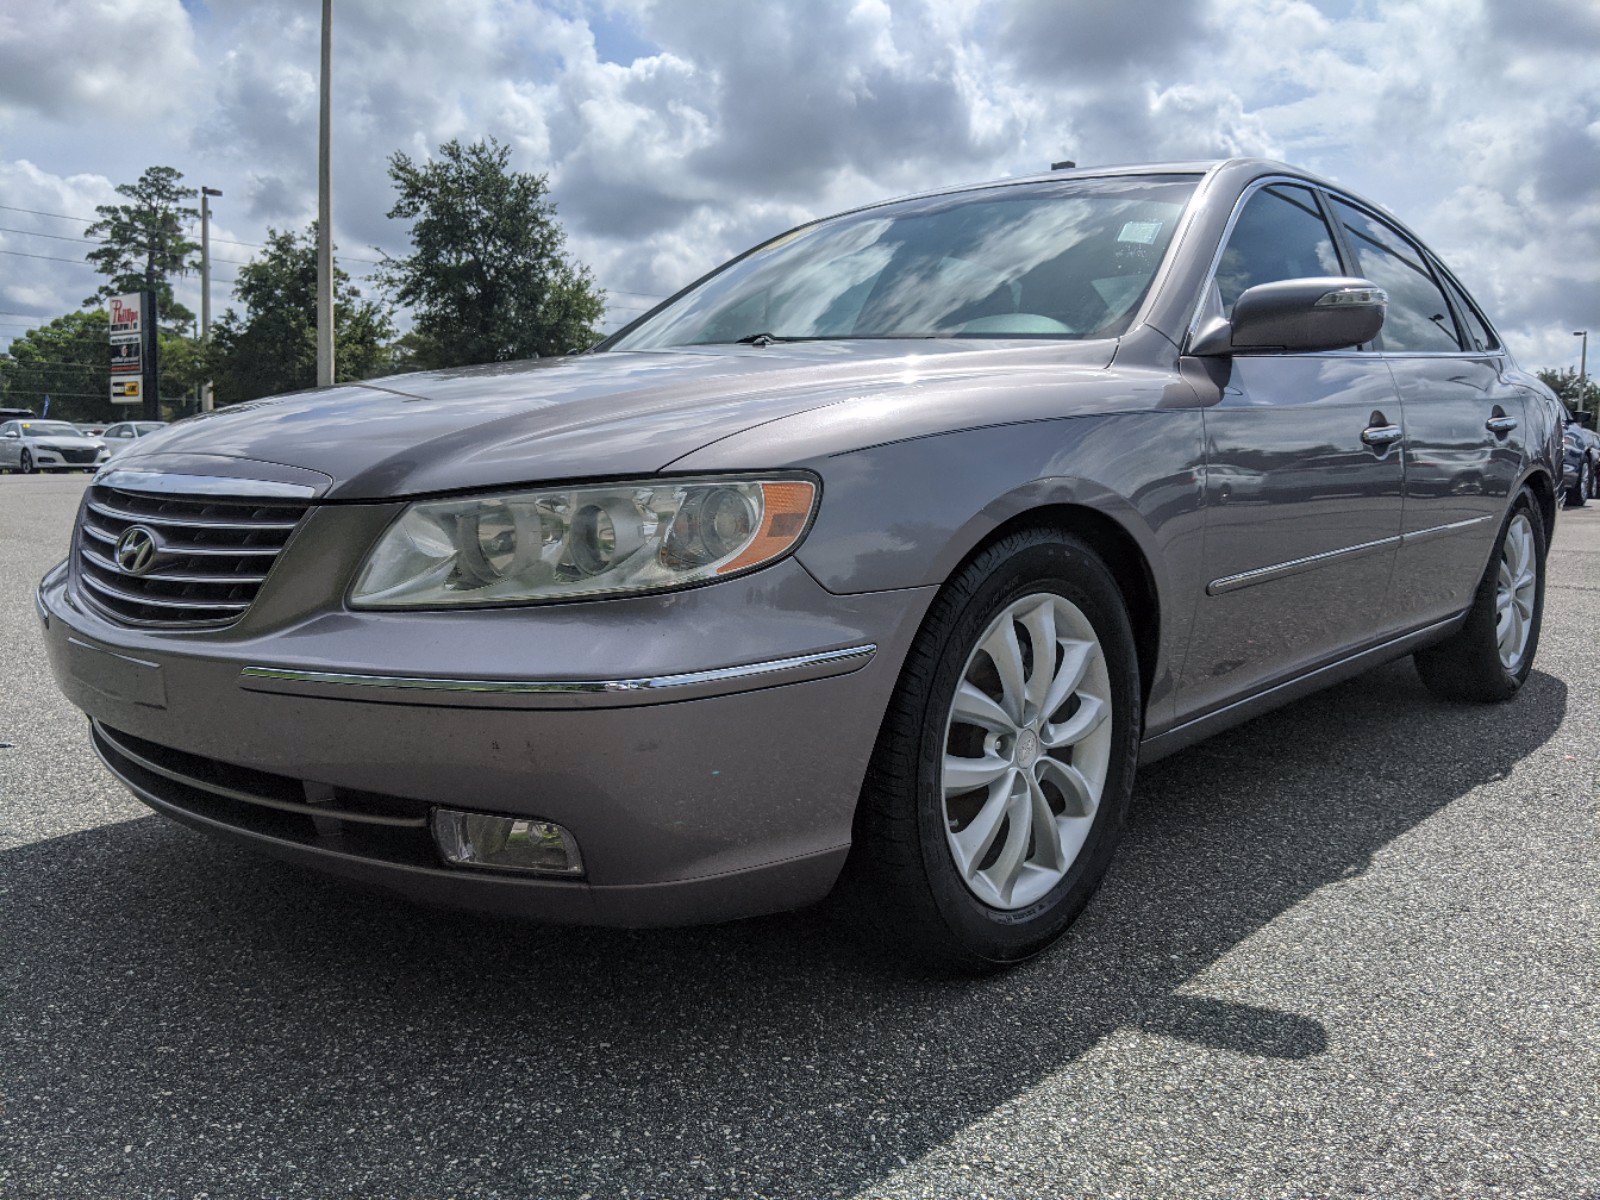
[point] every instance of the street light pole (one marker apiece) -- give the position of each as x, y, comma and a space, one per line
207, 402
325, 208
1583, 366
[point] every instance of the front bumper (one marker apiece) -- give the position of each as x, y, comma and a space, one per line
56, 460
699, 789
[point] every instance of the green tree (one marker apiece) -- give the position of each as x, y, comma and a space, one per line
143, 243
68, 360
488, 277
1564, 383
272, 346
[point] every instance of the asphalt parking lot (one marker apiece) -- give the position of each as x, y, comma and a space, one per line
1350, 949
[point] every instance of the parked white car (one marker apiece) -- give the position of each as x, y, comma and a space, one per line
39, 445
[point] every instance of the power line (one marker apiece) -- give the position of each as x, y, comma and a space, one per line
48, 257
55, 362
52, 393
60, 237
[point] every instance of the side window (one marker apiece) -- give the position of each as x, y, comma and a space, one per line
8, 427
1419, 316
1477, 333
1280, 234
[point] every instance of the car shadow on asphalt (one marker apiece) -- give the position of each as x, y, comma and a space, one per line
180, 1014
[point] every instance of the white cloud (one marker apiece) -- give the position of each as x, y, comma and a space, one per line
676, 132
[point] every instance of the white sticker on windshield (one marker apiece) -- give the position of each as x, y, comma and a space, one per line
1143, 232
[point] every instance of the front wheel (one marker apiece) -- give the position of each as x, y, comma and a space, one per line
1490, 657
1003, 771
27, 464
1583, 489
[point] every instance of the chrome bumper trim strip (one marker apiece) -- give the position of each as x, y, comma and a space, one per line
831, 661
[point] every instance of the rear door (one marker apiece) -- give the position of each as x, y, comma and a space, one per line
1303, 478
1463, 419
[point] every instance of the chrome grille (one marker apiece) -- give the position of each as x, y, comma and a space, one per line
200, 561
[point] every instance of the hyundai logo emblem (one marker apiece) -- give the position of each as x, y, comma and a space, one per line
136, 550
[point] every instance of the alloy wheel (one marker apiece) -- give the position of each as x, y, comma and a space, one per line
27, 463
1516, 591
1027, 748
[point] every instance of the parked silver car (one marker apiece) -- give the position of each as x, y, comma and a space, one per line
124, 434
891, 548
36, 444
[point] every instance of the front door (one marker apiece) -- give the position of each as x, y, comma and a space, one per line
1303, 484
1463, 420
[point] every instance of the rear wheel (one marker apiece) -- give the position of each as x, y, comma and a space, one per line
1002, 775
1490, 657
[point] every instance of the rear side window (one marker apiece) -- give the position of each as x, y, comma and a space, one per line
1419, 316
1477, 333
1280, 234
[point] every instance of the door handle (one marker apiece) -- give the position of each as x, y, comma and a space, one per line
1382, 435
1500, 426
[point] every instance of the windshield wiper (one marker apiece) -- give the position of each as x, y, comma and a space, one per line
764, 339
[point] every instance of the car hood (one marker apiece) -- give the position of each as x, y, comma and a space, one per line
614, 414
64, 440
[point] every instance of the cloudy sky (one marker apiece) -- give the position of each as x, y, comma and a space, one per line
676, 132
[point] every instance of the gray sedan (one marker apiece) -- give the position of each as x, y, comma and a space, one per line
886, 553
30, 445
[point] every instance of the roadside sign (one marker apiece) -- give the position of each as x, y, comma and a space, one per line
133, 352
126, 325
126, 358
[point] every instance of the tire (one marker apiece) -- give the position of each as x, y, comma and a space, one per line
1594, 481
27, 464
1473, 663
903, 865
1581, 491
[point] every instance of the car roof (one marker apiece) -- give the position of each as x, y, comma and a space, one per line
1243, 168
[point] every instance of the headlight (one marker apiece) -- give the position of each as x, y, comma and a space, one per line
567, 543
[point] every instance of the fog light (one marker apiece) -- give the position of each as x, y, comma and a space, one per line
505, 843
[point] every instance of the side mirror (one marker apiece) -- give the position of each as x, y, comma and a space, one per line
1324, 313
12, 433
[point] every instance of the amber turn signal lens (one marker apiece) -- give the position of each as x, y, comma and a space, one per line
785, 509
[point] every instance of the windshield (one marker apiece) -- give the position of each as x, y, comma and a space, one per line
49, 429
1064, 260
149, 426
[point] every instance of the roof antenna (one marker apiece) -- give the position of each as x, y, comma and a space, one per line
1066, 164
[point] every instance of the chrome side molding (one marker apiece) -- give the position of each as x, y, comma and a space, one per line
1244, 579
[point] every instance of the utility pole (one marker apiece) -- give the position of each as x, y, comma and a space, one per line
206, 401
1583, 367
325, 208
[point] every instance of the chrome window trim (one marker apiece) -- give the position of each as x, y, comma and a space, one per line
857, 655
132, 479
1250, 189
1332, 193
